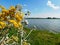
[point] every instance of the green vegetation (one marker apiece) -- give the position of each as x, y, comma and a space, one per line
38, 37
41, 37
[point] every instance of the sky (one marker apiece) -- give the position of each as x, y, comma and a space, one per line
38, 8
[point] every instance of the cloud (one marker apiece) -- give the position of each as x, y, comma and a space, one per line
25, 5
50, 4
26, 10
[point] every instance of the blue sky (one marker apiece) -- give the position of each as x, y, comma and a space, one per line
38, 8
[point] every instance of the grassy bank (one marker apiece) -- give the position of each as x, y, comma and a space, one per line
38, 37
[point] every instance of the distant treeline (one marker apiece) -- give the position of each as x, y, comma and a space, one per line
44, 18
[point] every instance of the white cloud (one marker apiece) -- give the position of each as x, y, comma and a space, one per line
50, 4
25, 5
26, 10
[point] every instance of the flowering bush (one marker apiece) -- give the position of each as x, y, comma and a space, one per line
10, 18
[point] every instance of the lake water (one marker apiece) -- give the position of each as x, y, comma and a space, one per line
45, 24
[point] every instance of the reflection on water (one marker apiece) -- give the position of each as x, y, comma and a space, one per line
45, 24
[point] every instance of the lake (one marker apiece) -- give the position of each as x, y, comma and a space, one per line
45, 24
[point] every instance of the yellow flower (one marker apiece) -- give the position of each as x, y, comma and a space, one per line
4, 10
25, 43
18, 18
20, 25
12, 10
12, 7
1, 19
3, 24
15, 38
0, 27
20, 14
14, 23
0, 14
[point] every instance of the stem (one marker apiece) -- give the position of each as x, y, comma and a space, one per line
2, 40
28, 34
21, 37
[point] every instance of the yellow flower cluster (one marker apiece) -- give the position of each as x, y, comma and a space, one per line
19, 16
2, 25
15, 18
14, 23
